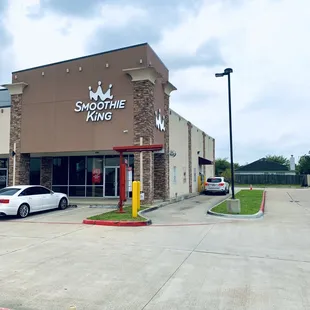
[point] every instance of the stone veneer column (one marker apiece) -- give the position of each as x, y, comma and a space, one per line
22, 161
204, 151
143, 101
46, 172
143, 82
190, 177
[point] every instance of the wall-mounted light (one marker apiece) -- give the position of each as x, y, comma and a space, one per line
141, 61
42, 73
107, 65
172, 154
198, 152
68, 70
80, 69
125, 131
15, 77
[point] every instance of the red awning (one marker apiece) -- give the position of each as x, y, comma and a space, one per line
139, 148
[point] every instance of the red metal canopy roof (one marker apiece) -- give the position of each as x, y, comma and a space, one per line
138, 148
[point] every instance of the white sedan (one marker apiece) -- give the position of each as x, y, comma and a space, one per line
21, 200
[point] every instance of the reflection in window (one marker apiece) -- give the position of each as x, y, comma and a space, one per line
60, 171
60, 189
77, 191
35, 166
3, 163
94, 170
77, 170
111, 160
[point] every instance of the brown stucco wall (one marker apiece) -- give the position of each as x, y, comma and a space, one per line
49, 122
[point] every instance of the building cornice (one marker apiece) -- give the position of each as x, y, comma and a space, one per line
168, 88
15, 88
143, 74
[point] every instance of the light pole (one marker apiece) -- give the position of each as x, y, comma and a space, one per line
227, 72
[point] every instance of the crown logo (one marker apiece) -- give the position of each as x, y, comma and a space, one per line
100, 94
160, 121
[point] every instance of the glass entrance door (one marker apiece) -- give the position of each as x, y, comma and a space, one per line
111, 184
3, 177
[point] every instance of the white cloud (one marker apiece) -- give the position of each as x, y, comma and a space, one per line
264, 41
37, 41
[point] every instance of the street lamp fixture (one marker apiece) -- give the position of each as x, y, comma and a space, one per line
227, 72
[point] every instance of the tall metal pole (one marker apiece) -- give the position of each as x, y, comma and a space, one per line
231, 142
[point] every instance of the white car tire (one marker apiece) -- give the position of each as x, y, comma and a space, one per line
63, 204
23, 211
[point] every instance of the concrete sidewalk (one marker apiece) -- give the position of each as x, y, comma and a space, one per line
257, 264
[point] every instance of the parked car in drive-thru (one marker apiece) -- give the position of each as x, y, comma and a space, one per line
217, 185
21, 200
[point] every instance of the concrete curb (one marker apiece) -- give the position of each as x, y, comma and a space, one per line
259, 214
118, 223
141, 213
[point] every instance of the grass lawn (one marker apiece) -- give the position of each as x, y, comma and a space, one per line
116, 216
269, 185
250, 202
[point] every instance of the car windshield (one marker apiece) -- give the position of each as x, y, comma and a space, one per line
214, 180
9, 191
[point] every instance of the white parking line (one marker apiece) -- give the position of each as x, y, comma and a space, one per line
53, 213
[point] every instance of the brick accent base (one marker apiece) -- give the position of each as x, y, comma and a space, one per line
22, 160
190, 176
46, 172
143, 101
22, 169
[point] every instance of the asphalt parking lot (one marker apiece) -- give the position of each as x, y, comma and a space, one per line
186, 260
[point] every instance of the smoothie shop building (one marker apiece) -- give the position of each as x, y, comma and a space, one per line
60, 122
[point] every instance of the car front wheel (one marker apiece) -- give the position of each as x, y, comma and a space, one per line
23, 211
63, 204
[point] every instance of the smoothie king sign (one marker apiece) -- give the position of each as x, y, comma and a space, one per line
101, 105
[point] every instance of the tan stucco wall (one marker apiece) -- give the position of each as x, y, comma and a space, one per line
178, 131
4, 131
197, 146
209, 155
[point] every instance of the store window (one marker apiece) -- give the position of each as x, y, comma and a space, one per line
60, 171
95, 170
174, 175
184, 174
35, 167
111, 160
3, 163
77, 170
94, 176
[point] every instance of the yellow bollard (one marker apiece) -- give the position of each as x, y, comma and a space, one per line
138, 195
72, 308
134, 199
199, 184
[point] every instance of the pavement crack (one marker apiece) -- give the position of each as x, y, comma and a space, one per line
177, 269
254, 256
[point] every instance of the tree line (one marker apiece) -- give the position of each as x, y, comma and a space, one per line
222, 165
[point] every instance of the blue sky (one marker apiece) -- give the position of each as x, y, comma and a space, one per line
264, 41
